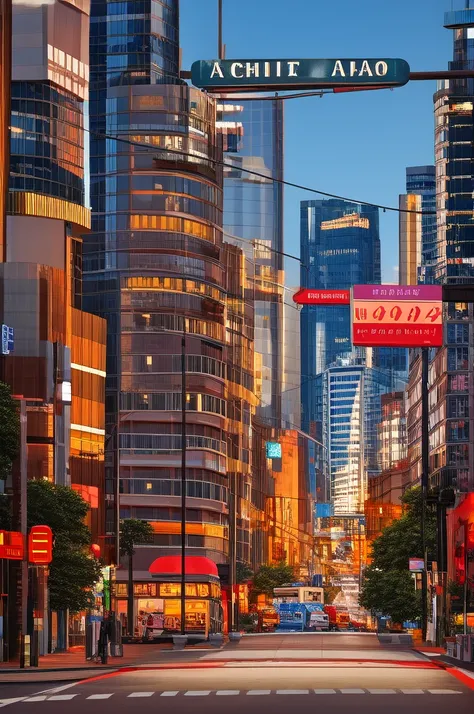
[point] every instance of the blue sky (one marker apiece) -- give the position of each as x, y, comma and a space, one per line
355, 145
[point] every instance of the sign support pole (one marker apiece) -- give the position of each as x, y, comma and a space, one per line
424, 483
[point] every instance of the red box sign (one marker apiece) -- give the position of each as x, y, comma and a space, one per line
11, 545
322, 297
397, 315
40, 545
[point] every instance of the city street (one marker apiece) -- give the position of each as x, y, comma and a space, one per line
334, 669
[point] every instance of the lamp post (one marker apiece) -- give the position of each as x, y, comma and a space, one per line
183, 479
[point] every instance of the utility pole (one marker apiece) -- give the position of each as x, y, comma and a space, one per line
220, 47
424, 483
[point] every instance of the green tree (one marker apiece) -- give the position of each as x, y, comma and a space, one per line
269, 577
73, 570
132, 532
388, 586
391, 592
9, 430
243, 572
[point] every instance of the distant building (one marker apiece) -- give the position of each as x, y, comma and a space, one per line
340, 247
351, 410
417, 233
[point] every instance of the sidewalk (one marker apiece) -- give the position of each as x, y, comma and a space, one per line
64, 666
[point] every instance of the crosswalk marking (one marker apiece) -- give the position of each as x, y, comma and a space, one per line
231, 692
141, 694
100, 696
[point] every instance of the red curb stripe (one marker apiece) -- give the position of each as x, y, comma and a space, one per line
467, 681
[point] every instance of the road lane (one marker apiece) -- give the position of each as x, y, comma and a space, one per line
343, 687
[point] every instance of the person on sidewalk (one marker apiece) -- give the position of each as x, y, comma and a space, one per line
104, 636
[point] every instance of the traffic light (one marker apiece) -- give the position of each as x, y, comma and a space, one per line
40, 545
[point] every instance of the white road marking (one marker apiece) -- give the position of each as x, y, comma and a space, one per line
141, 694
443, 691
62, 697
259, 692
168, 694
292, 691
352, 691
412, 691
197, 693
6, 702
36, 699
100, 696
382, 691
227, 692
325, 691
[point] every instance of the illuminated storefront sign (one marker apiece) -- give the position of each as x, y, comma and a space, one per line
248, 74
273, 450
397, 315
322, 297
416, 565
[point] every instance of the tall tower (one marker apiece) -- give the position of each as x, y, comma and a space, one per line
154, 266
417, 234
340, 247
454, 153
5, 79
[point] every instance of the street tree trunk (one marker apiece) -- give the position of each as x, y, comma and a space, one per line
130, 618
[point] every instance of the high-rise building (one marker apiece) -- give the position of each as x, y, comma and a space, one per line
418, 226
340, 247
350, 411
253, 217
451, 367
58, 359
5, 80
156, 267
454, 156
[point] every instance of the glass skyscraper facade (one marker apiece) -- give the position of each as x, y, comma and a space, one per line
340, 247
350, 412
454, 156
253, 218
418, 226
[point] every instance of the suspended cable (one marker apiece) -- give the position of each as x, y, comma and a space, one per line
219, 162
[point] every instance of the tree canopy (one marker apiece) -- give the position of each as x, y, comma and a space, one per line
269, 577
388, 586
134, 532
9, 430
73, 570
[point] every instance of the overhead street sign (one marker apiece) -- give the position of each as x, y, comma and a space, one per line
322, 297
247, 75
397, 315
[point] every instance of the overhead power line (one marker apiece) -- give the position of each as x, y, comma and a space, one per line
252, 172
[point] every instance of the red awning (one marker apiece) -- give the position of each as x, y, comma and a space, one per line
195, 565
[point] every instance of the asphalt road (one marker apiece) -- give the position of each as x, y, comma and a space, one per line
208, 688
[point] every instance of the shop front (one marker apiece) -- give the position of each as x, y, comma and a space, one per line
157, 602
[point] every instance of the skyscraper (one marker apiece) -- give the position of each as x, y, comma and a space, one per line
350, 412
253, 214
340, 247
58, 357
454, 155
417, 231
156, 267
